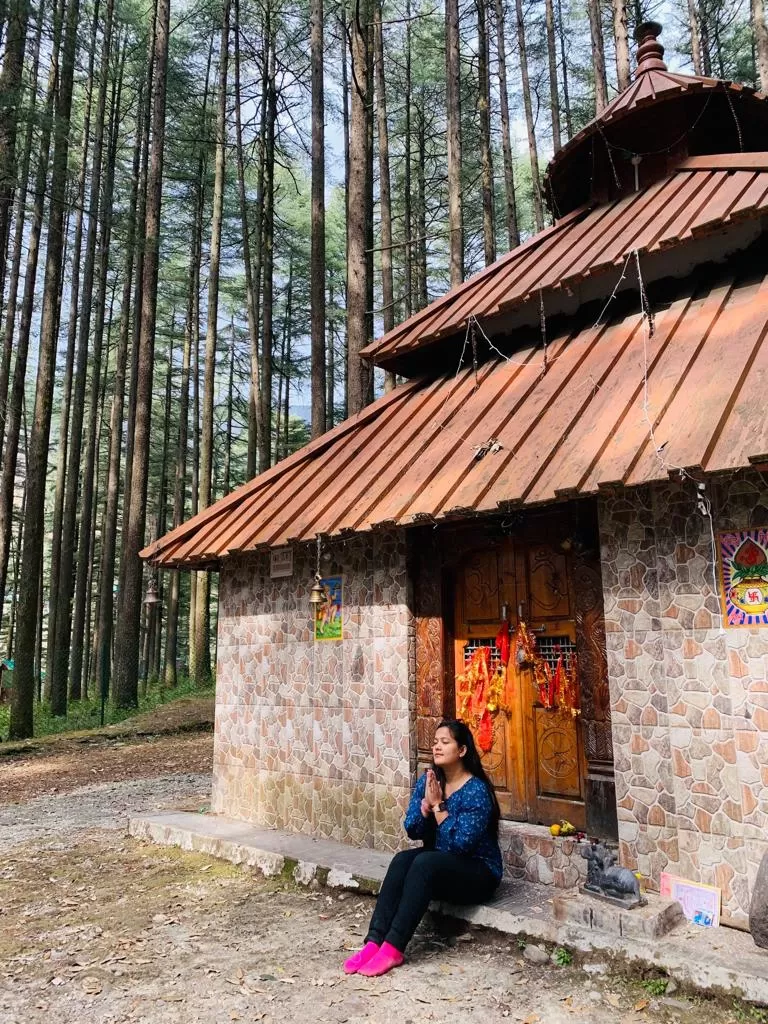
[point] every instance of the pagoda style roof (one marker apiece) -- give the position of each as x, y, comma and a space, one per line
703, 195
610, 403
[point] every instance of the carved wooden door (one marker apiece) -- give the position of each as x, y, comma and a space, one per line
537, 761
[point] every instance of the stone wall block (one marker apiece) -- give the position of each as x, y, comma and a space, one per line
328, 808
358, 814
298, 798
391, 803
330, 757
359, 686
270, 801
391, 673
359, 745
327, 688
392, 748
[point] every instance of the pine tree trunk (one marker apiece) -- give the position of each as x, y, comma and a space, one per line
598, 55
129, 621
226, 482
538, 207
554, 100
191, 342
287, 357
317, 229
195, 473
564, 63
513, 231
251, 296
109, 541
130, 428
55, 601
385, 198
11, 89
15, 405
421, 216
621, 37
453, 105
408, 232
330, 378
266, 251
101, 266
201, 665
21, 724
761, 42
162, 502
62, 637
484, 111
18, 235
358, 372
370, 122
702, 16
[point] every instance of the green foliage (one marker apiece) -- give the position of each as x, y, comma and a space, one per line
84, 714
751, 1014
655, 986
562, 957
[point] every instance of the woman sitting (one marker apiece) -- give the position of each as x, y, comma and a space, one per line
454, 811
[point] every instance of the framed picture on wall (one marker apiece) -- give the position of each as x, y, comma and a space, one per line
744, 577
329, 614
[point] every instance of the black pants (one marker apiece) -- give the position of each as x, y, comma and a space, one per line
414, 878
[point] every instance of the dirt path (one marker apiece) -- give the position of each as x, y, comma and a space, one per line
174, 738
97, 927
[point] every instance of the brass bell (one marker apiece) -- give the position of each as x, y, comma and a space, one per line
151, 597
316, 594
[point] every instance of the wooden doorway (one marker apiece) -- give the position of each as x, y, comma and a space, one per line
537, 761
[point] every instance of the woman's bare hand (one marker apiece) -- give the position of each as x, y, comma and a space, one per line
433, 792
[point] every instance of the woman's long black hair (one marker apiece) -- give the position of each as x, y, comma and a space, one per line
471, 761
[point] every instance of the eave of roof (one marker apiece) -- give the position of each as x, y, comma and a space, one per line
585, 421
655, 86
702, 195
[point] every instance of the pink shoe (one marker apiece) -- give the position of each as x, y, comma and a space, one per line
383, 961
369, 950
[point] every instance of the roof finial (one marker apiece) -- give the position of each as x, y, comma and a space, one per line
650, 52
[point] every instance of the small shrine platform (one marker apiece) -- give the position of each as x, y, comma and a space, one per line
719, 960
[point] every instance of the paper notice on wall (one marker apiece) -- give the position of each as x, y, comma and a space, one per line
700, 903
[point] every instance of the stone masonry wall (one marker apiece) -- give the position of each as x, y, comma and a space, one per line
317, 737
689, 698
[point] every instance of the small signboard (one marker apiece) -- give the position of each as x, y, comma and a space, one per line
700, 903
280, 563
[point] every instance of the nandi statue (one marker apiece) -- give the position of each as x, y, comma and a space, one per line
606, 879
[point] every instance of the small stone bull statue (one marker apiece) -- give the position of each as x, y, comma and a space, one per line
604, 876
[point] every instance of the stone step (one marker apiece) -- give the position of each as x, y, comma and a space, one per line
715, 960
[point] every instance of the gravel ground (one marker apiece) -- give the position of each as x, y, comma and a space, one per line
105, 806
98, 927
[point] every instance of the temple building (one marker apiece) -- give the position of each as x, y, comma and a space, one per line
555, 526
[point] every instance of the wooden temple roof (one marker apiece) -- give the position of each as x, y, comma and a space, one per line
703, 195
615, 403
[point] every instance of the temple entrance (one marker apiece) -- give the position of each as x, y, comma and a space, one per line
537, 761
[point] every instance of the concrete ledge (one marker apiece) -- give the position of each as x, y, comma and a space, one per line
720, 961
299, 858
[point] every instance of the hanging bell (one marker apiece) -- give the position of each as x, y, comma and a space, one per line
316, 594
151, 597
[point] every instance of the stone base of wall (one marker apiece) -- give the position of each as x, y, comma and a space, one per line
532, 853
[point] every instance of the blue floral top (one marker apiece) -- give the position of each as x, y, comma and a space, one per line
466, 830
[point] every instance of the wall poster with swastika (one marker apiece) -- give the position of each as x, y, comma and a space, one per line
744, 577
